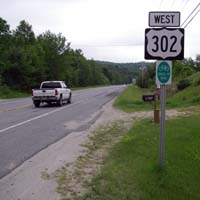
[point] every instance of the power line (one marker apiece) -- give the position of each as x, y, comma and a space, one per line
191, 14
192, 18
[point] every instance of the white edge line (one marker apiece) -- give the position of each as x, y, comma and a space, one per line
34, 118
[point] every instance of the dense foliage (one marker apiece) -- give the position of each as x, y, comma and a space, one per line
184, 73
27, 59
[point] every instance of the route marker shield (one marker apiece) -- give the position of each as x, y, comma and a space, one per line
164, 44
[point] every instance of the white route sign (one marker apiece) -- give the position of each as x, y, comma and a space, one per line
164, 43
164, 19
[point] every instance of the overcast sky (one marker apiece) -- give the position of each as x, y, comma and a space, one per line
111, 30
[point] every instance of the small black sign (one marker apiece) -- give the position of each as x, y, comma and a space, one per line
148, 97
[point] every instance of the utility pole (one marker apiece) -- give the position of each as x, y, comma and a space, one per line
142, 68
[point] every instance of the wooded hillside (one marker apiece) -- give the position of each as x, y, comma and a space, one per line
27, 59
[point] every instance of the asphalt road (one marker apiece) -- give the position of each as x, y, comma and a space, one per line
26, 130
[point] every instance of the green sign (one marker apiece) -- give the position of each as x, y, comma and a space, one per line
163, 72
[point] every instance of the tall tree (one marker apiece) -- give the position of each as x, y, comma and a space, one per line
24, 34
5, 43
21, 58
197, 64
55, 49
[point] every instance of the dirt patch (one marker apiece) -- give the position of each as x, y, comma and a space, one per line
73, 179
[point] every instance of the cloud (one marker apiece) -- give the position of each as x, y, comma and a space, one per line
103, 29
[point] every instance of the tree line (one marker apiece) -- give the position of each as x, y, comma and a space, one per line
27, 59
181, 73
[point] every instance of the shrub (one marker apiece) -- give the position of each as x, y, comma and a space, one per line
196, 79
182, 84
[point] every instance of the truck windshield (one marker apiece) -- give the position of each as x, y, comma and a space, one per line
51, 85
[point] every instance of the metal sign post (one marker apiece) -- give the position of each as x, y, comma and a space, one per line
162, 124
163, 77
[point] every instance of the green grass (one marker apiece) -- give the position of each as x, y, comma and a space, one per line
131, 99
7, 93
131, 171
187, 97
195, 79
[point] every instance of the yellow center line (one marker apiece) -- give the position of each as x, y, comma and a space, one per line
16, 108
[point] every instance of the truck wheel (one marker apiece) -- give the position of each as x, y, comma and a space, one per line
37, 104
69, 100
60, 101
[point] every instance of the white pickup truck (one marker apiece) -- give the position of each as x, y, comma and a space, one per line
51, 92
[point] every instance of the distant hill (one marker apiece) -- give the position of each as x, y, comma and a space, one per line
133, 68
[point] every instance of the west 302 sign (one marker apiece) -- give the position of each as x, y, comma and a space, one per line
164, 43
